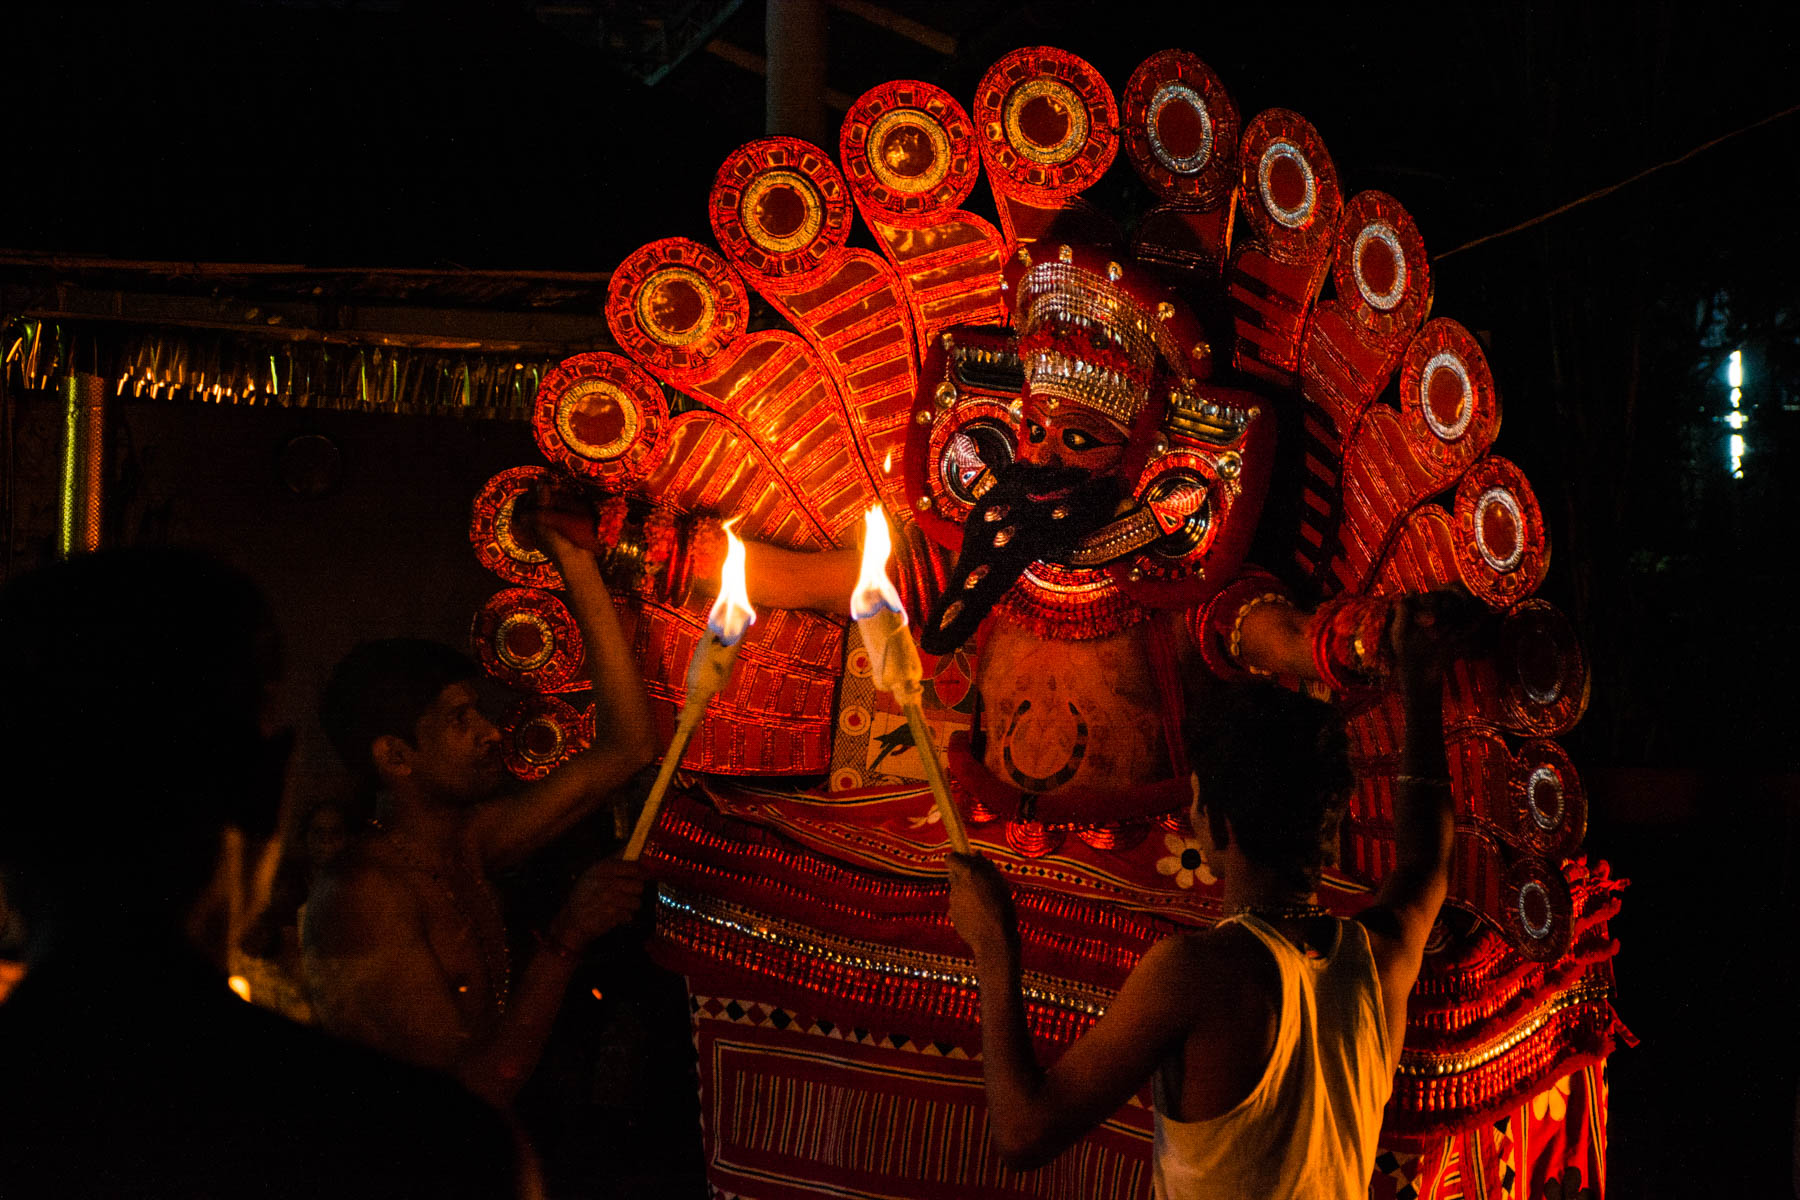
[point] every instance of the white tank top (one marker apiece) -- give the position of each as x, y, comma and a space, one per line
1307, 1129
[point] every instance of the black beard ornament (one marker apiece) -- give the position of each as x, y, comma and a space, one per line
1031, 514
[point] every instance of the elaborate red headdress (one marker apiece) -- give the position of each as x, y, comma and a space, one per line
1253, 289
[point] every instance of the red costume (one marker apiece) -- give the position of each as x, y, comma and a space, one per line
959, 376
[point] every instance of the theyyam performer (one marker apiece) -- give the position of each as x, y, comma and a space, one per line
1081, 445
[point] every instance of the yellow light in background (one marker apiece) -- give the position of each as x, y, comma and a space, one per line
240, 985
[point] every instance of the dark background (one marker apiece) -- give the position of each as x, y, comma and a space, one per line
513, 135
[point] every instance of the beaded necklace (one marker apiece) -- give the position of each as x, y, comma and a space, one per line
1279, 912
498, 966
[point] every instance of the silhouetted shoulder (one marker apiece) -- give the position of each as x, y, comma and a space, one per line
182, 1090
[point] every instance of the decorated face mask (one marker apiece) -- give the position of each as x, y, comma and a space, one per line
1109, 451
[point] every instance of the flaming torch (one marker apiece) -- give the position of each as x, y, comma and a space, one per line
708, 671
895, 659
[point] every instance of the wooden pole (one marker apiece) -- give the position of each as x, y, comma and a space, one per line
895, 662
794, 33
934, 775
708, 672
684, 732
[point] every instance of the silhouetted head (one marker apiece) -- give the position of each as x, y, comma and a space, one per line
1276, 765
405, 708
135, 687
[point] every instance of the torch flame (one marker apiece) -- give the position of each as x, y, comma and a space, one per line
731, 613
873, 591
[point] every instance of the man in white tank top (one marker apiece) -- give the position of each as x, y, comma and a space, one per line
1272, 1037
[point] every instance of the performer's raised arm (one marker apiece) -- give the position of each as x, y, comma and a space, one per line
1425, 634
509, 827
1255, 629
817, 579
1276, 639
777, 577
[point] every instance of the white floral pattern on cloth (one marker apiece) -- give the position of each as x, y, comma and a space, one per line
1184, 861
1553, 1101
932, 817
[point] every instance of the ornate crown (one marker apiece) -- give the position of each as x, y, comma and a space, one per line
1086, 336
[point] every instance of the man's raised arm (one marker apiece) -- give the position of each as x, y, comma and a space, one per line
1426, 631
508, 829
821, 580
1035, 1114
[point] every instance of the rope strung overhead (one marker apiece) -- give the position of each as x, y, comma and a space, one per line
1613, 187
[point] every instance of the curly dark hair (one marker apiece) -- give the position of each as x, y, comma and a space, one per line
1276, 764
383, 688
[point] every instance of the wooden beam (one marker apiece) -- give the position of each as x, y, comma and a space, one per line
893, 22
182, 269
737, 56
311, 320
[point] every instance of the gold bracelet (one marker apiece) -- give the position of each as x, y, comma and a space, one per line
1236, 646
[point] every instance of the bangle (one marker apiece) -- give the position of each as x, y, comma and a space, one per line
554, 944
1349, 636
1217, 626
621, 537
1235, 647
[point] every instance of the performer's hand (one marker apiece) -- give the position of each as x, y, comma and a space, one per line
562, 525
1429, 629
606, 896
981, 906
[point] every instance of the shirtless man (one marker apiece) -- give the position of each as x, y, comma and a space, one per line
404, 945
1272, 1038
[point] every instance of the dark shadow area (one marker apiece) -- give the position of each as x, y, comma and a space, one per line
1706, 978
476, 135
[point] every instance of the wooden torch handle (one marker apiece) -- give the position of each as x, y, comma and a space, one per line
934, 775
684, 730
